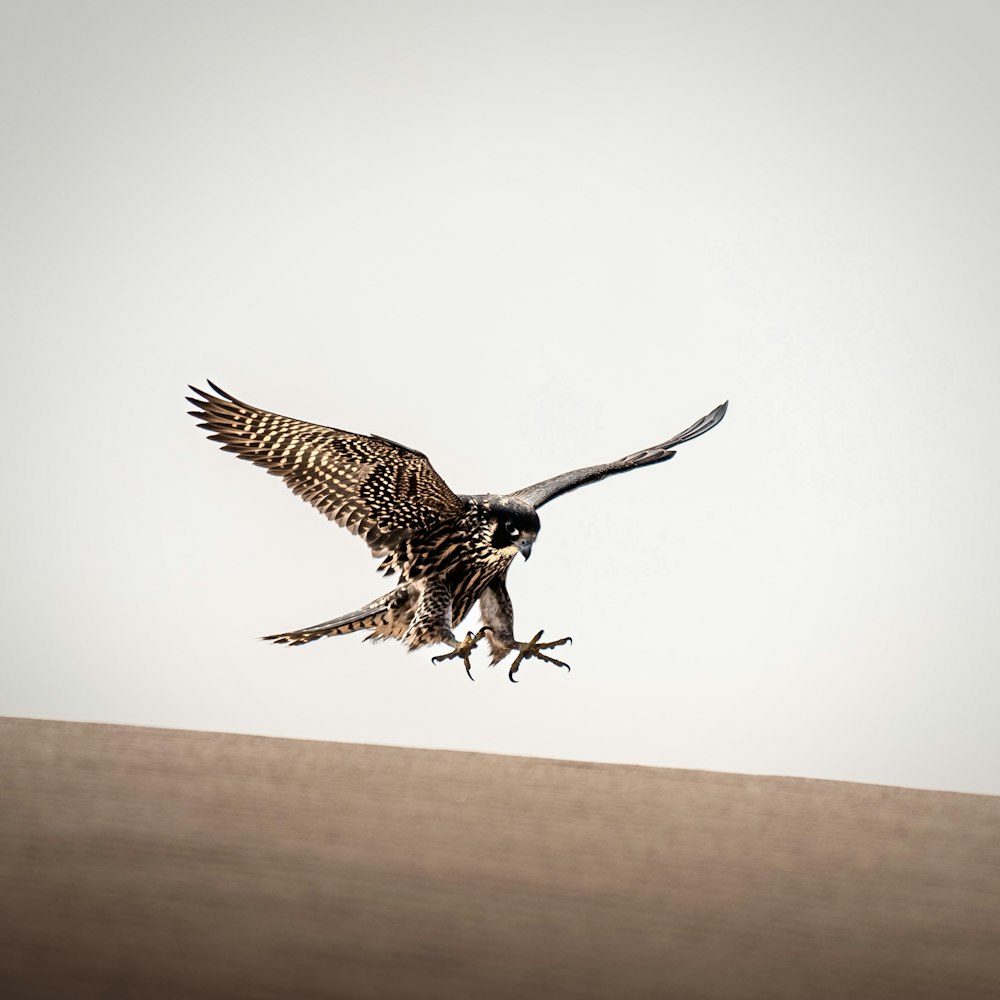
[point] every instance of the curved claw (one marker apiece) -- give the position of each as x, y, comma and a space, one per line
462, 650
534, 648
451, 656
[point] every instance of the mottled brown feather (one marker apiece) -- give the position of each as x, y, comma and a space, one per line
379, 490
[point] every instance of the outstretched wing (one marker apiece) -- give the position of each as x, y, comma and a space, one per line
378, 489
549, 489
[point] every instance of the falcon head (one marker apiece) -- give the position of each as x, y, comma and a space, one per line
514, 526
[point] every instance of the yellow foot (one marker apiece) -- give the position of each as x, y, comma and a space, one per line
534, 648
462, 650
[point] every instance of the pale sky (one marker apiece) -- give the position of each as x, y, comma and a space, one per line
521, 238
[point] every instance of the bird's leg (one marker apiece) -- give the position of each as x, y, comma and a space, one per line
534, 648
461, 650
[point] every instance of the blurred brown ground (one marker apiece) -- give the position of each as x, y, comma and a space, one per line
157, 863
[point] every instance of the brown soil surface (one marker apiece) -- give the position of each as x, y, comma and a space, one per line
157, 863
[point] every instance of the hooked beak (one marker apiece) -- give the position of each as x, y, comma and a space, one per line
525, 546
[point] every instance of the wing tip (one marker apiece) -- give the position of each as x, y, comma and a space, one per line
221, 394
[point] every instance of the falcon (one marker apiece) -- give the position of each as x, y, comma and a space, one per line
447, 550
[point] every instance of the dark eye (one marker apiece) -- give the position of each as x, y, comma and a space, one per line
511, 530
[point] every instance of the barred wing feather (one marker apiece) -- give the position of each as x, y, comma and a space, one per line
374, 487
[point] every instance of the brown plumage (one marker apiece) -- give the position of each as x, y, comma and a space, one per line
448, 551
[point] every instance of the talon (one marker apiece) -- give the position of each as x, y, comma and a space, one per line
534, 648
462, 650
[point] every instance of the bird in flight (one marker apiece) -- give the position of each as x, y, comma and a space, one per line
448, 550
